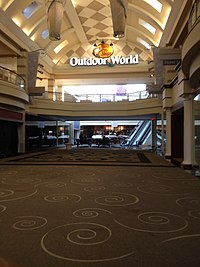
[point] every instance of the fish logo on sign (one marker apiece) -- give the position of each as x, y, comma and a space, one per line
103, 50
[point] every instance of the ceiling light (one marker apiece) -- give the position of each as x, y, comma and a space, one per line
119, 15
54, 10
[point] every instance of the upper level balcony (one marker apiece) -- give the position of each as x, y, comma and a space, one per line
191, 48
12, 89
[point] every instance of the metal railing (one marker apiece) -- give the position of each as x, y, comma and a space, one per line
194, 14
91, 98
12, 77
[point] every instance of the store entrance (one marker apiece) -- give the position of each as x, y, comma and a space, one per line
177, 136
8, 138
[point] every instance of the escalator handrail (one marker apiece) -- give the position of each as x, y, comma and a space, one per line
137, 134
142, 139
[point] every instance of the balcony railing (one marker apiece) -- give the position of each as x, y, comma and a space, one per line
194, 15
12, 77
89, 98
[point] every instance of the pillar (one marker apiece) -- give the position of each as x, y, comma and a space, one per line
22, 67
163, 132
59, 93
51, 83
154, 133
57, 133
189, 150
71, 132
168, 133
22, 70
21, 136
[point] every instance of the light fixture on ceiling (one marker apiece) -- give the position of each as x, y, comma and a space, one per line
54, 11
119, 14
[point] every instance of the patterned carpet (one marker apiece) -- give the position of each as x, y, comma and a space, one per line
92, 156
98, 216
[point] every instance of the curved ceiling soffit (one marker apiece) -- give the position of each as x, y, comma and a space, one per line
62, 53
146, 38
16, 6
7, 4
143, 50
153, 20
70, 11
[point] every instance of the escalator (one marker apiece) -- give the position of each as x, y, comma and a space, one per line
136, 140
146, 134
135, 136
142, 135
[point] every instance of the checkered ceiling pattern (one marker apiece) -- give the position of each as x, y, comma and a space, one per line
95, 17
88, 21
96, 20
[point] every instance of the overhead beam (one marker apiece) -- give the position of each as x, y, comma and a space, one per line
74, 19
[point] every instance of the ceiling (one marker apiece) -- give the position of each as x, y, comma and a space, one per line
84, 23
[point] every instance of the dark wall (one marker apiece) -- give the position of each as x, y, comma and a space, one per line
8, 138
177, 133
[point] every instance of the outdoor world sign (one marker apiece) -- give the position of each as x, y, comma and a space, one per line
132, 60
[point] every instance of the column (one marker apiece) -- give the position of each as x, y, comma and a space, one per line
57, 133
22, 70
21, 136
163, 132
51, 83
154, 134
168, 133
71, 132
189, 151
59, 93
22, 67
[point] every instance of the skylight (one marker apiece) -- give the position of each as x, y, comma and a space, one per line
155, 4
143, 43
30, 10
45, 34
148, 26
60, 46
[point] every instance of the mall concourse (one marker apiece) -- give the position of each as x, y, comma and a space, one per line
161, 83
99, 133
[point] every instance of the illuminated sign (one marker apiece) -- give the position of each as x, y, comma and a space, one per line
130, 60
103, 50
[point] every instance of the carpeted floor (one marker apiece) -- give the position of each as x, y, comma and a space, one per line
90, 156
145, 214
